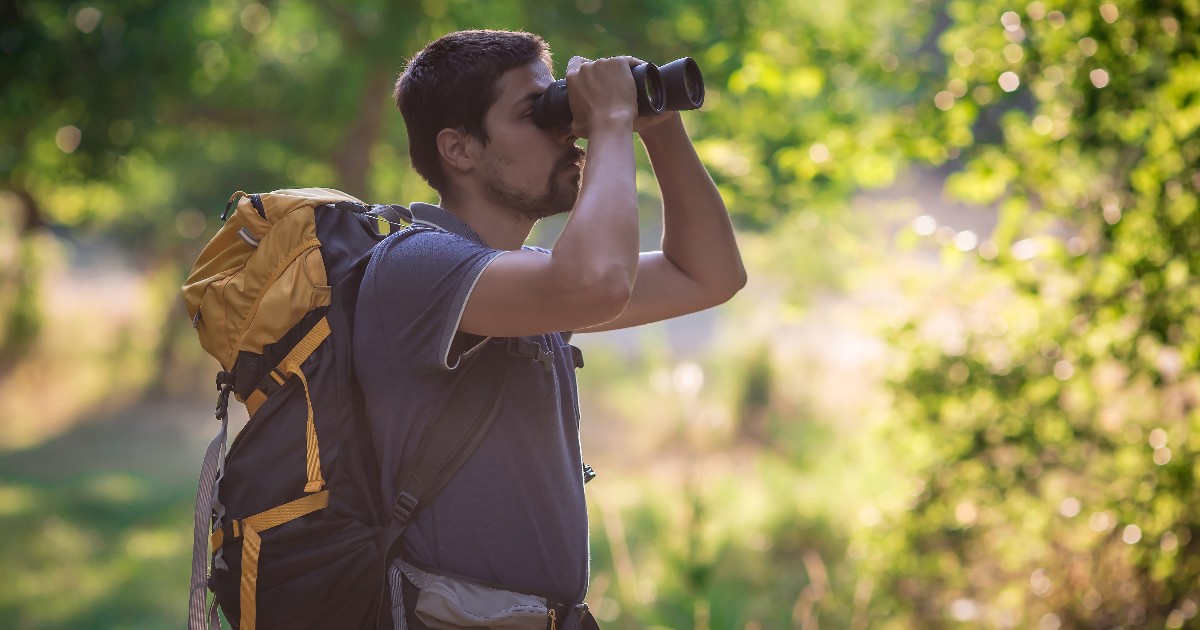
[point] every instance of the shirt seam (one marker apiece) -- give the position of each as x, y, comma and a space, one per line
457, 320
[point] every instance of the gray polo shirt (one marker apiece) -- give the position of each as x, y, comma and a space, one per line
515, 513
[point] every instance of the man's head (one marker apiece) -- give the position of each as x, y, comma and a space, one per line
451, 84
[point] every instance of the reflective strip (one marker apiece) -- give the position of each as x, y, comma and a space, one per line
248, 237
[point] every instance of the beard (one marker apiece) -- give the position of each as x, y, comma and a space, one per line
558, 196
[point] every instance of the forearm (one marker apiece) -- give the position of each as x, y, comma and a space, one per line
698, 237
600, 239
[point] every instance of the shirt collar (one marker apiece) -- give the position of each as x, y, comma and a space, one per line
429, 214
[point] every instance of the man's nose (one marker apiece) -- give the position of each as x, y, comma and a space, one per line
562, 135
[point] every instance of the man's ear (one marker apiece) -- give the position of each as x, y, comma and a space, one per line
458, 149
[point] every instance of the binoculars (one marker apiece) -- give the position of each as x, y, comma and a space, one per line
677, 86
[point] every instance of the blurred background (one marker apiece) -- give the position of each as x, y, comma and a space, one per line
960, 390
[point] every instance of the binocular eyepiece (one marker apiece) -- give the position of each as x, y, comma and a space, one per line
677, 86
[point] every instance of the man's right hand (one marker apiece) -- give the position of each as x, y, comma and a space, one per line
602, 94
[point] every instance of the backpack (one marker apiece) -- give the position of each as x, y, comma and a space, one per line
289, 528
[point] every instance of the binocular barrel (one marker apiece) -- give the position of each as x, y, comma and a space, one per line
677, 86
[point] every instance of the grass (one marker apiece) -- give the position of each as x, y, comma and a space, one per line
97, 521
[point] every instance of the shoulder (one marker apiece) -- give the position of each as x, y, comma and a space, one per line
421, 237
422, 247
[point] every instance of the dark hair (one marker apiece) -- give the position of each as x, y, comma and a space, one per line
451, 83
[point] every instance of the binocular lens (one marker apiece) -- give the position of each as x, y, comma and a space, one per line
677, 86
684, 84
651, 95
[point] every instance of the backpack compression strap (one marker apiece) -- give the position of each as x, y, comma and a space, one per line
288, 366
248, 529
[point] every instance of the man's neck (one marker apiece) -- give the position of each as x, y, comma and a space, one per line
500, 228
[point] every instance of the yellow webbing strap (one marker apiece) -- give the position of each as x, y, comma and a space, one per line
291, 365
315, 480
249, 528
305, 347
254, 401
251, 548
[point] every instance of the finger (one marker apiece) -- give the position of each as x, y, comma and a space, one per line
613, 63
575, 62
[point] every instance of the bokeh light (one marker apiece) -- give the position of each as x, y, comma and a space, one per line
958, 388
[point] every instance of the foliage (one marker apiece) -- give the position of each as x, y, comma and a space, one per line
1035, 464
1057, 409
136, 119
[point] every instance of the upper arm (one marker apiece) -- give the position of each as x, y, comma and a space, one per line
412, 296
662, 291
528, 292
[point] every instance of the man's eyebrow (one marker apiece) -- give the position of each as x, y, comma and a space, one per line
526, 100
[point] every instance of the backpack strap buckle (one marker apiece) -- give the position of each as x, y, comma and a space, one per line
279, 377
576, 357
523, 348
403, 510
225, 531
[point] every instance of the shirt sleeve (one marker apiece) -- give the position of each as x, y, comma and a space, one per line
416, 288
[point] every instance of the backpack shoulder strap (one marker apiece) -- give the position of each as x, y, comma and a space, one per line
449, 440
444, 447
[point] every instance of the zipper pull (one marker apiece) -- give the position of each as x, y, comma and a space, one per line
553, 621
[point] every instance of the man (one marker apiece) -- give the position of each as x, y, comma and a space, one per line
434, 303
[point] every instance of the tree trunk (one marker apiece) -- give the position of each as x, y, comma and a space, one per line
353, 159
31, 212
22, 316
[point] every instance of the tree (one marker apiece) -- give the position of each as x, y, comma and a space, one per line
1057, 423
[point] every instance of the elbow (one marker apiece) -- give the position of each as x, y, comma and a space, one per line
612, 293
739, 279
608, 294
734, 282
